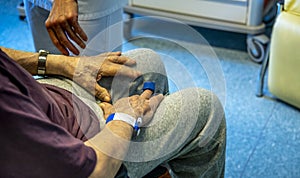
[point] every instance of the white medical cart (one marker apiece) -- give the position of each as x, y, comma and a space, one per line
241, 16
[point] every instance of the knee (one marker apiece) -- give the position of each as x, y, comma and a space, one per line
142, 54
139, 51
207, 112
203, 100
148, 61
212, 111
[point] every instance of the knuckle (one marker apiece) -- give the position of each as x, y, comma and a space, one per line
61, 20
47, 24
98, 94
135, 97
71, 18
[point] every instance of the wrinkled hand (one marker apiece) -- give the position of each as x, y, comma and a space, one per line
89, 70
63, 23
142, 106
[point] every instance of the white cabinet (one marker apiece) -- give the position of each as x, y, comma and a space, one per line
241, 16
227, 10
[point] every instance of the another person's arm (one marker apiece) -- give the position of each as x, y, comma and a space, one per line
62, 24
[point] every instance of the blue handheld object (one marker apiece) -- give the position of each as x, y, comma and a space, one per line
149, 86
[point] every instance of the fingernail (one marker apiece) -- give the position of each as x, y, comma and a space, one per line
107, 98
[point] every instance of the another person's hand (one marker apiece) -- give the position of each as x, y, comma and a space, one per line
89, 70
136, 106
62, 24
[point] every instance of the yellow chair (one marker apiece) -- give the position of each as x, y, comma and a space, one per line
284, 59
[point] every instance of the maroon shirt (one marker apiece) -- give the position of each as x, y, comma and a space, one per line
42, 128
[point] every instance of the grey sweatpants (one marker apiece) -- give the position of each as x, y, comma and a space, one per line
187, 133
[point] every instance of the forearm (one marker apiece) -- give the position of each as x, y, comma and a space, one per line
27, 60
55, 64
111, 146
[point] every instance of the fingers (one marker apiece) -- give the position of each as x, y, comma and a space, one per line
139, 105
115, 64
117, 53
150, 108
107, 109
155, 101
102, 94
62, 30
146, 94
57, 43
121, 60
116, 57
78, 30
129, 72
145, 103
111, 70
64, 41
73, 34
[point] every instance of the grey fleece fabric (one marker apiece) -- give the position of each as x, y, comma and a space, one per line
188, 130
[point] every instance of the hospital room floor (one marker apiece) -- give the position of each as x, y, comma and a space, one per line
263, 134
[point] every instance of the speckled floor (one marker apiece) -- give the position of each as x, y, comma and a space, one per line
263, 133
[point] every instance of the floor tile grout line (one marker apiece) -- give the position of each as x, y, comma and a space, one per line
259, 138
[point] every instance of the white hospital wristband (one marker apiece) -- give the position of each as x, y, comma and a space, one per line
128, 119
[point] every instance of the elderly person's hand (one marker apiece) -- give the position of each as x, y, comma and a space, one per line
136, 106
109, 148
87, 71
62, 24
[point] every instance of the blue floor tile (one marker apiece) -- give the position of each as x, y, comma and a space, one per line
277, 152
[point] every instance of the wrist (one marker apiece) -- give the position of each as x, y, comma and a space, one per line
42, 59
120, 129
61, 65
134, 123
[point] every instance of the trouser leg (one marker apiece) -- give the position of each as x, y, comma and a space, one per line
187, 132
104, 34
207, 161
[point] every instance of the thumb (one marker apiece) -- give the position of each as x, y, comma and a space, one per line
107, 109
102, 94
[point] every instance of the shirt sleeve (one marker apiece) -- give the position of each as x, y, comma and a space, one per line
32, 146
